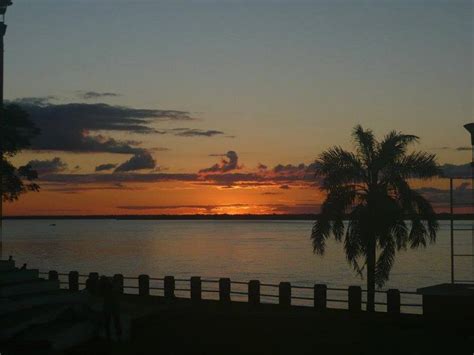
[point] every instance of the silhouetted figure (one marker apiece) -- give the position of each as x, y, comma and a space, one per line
92, 286
111, 307
10, 258
23, 267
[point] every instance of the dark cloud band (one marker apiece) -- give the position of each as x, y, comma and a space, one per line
77, 127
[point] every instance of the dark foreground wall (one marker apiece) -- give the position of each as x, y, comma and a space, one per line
208, 327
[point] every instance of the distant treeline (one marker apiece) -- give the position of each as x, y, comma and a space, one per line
224, 217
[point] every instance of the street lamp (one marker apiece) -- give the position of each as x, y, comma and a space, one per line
470, 128
3, 9
3, 6
3, 29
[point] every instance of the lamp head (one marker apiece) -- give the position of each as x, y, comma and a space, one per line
3, 6
470, 128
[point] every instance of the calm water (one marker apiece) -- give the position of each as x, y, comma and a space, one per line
271, 251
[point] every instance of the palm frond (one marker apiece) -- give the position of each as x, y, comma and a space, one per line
338, 229
384, 264
355, 244
427, 214
320, 232
338, 200
418, 234
365, 143
399, 231
338, 167
418, 209
393, 147
419, 165
331, 217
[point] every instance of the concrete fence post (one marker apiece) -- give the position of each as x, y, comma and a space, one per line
284, 294
169, 285
224, 290
144, 285
320, 296
254, 292
73, 281
118, 282
393, 301
53, 275
355, 298
196, 288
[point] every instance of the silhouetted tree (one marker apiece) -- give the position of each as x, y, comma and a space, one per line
16, 133
369, 188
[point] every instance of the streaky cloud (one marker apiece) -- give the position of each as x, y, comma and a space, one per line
94, 95
190, 132
105, 167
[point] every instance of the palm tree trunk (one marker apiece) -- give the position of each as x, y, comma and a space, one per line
371, 275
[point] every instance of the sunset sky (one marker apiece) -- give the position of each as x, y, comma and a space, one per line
171, 107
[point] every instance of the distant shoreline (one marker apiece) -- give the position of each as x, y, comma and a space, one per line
223, 217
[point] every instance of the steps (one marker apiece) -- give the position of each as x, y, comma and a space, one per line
34, 310
57, 297
17, 322
61, 334
6, 265
28, 287
18, 275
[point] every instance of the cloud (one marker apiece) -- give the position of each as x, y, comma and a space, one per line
79, 189
105, 167
117, 178
290, 169
54, 165
40, 101
463, 187
459, 149
463, 148
220, 175
93, 95
208, 208
452, 170
440, 148
159, 149
228, 179
140, 161
302, 208
79, 127
462, 195
192, 132
229, 164
299, 208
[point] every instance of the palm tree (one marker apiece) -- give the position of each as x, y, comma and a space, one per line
369, 188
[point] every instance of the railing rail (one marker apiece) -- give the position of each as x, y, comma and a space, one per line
353, 297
